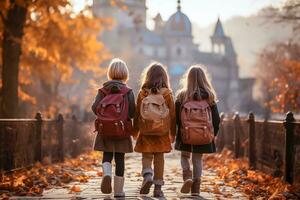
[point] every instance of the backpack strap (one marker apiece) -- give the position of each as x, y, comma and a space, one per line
104, 91
124, 90
165, 92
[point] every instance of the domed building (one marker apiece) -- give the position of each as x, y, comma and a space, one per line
171, 43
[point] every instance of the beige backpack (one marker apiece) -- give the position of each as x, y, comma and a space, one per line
196, 121
155, 117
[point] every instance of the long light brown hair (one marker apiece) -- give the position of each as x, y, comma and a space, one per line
195, 80
155, 76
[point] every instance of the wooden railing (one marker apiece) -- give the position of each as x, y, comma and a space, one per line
270, 146
26, 141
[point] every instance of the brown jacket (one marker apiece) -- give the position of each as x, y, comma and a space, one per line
149, 143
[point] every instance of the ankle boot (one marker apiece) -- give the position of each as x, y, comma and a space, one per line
147, 183
196, 187
157, 191
118, 186
188, 182
106, 179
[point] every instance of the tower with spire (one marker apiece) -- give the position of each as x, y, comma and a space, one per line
158, 23
171, 43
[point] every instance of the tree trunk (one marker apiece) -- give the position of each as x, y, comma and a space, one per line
11, 52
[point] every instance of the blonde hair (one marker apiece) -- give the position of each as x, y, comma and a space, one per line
118, 70
195, 79
155, 76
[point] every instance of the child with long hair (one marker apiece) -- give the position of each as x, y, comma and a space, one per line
196, 86
114, 148
155, 136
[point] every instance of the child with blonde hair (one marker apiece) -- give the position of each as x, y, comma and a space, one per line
115, 107
155, 121
197, 119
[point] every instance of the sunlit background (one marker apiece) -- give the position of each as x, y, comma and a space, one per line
201, 12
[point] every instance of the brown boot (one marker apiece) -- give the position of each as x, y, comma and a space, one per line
188, 182
196, 187
147, 183
157, 191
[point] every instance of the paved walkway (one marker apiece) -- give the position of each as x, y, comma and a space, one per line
210, 188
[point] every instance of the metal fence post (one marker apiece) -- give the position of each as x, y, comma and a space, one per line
289, 146
236, 135
74, 137
221, 135
38, 137
60, 132
251, 143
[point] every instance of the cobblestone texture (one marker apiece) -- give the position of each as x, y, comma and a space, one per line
173, 181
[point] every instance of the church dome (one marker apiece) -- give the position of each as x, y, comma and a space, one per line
179, 24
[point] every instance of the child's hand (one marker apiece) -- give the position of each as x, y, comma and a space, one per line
172, 138
135, 137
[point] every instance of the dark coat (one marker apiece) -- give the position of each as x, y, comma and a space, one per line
207, 148
110, 145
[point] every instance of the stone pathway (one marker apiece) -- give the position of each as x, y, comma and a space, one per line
210, 189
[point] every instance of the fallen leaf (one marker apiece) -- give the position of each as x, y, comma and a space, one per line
75, 188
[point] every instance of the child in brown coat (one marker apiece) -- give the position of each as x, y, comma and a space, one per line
154, 145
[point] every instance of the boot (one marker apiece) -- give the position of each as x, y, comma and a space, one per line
196, 187
157, 191
118, 186
106, 179
188, 182
147, 183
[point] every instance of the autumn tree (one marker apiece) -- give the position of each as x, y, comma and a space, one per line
289, 12
56, 41
278, 77
13, 17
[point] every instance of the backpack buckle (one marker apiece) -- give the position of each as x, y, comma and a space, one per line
102, 109
118, 108
122, 123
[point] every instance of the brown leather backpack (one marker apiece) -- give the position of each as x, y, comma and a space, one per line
196, 121
155, 116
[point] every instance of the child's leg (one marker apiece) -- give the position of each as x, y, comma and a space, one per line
120, 164
107, 172
147, 163
107, 157
197, 165
158, 174
147, 172
119, 178
185, 165
186, 172
159, 163
197, 172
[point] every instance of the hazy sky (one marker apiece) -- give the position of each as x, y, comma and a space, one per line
204, 12
201, 12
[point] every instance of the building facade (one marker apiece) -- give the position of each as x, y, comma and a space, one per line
171, 43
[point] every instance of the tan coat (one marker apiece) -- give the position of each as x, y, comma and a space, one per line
149, 143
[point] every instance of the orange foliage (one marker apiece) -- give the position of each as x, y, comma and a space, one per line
257, 185
34, 181
56, 42
278, 73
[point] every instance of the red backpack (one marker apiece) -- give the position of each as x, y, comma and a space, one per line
112, 114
